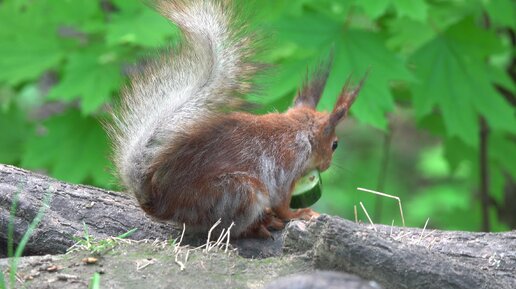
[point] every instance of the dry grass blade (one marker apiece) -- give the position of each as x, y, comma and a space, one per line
182, 234
207, 249
181, 264
429, 234
356, 214
388, 196
367, 215
143, 264
423, 231
402, 235
229, 236
219, 239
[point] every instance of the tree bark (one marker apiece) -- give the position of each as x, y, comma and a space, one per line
105, 213
404, 259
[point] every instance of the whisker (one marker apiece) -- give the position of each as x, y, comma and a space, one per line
340, 167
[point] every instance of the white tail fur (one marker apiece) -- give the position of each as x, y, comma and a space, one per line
207, 72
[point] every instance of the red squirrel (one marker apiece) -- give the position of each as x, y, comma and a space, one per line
190, 154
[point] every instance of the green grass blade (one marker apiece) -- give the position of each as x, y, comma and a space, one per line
32, 226
10, 226
128, 233
95, 281
86, 233
25, 238
2, 281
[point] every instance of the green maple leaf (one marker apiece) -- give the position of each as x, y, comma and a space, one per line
502, 12
128, 6
414, 9
14, 130
29, 43
443, 14
355, 51
502, 150
501, 160
73, 147
143, 27
499, 76
408, 35
373, 8
66, 13
309, 31
453, 76
26, 61
91, 75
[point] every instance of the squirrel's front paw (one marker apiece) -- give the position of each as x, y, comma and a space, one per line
272, 221
286, 214
306, 214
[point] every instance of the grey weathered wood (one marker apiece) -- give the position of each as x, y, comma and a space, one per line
322, 280
441, 260
105, 213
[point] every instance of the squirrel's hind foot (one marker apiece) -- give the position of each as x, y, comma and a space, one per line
258, 231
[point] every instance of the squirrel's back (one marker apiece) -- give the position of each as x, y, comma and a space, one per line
186, 86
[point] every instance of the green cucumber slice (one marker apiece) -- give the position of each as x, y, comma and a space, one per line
307, 190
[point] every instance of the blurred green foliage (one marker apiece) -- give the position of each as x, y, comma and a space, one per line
433, 66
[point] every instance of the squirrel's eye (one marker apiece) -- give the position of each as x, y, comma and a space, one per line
334, 145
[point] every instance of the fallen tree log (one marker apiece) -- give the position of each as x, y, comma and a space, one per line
394, 257
404, 258
105, 213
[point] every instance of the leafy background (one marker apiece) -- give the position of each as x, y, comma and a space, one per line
440, 95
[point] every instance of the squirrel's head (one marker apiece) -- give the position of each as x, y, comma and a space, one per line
322, 124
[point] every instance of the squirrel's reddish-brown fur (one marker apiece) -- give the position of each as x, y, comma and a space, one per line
187, 153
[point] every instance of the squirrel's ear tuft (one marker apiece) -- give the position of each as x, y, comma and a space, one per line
346, 98
313, 86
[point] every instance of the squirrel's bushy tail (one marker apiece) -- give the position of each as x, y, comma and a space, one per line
206, 73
